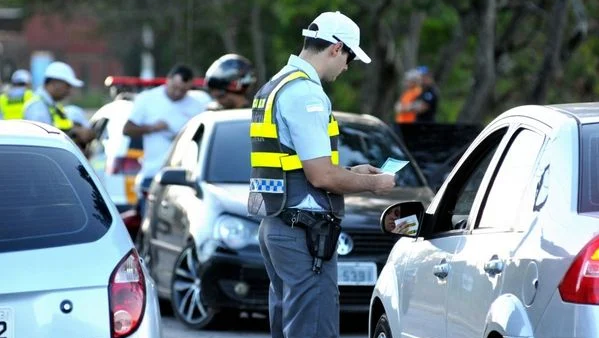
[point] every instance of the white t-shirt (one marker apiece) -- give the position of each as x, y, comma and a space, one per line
154, 105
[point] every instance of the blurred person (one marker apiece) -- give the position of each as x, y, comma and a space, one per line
45, 105
297, 184
158, 115
405, 111
12, 102
229, 80
426, 107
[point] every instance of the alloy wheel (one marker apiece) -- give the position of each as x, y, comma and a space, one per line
186, 290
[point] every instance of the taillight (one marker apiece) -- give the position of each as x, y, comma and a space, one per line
581, 283
127, 296
123, 165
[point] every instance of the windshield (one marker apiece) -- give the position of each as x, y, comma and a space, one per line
229, 160
589, 183
229, 153
372, 144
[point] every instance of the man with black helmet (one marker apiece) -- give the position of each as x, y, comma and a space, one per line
296, 181
228, 80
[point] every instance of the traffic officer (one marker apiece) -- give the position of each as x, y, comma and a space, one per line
45, 105
13, 101
296, 178
229, 80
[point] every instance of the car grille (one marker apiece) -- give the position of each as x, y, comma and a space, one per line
370, 243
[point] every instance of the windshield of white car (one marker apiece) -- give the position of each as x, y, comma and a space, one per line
229, 154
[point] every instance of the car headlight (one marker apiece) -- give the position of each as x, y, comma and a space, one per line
236, 232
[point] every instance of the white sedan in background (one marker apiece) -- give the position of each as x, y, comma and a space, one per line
68, 266
509, 247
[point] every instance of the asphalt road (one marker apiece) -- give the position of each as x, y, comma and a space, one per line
352, 326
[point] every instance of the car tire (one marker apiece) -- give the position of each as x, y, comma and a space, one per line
186, 292
382, 329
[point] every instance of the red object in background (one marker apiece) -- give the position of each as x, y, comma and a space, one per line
139, 82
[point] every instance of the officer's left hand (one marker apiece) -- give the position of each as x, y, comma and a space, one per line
365, 169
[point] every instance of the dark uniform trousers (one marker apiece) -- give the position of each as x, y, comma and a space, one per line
302, 304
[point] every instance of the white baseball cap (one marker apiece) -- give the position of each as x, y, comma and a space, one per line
61, 71
336, 27
20, 76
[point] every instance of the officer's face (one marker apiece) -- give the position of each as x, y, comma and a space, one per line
338, 62
59, 90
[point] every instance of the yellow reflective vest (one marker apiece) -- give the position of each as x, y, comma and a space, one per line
59, 118
277, 177
12, 106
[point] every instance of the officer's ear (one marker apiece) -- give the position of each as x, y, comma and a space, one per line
336, 48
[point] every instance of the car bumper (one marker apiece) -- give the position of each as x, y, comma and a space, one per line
240, 281
235, 281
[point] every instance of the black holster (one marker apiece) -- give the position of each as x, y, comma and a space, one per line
322, 233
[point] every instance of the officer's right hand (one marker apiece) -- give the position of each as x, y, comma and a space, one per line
383, 183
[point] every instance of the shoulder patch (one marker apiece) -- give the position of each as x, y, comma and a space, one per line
314, 107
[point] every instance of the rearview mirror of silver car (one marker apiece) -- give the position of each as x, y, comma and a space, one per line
402, 219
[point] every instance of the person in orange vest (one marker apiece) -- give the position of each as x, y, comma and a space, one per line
405, 111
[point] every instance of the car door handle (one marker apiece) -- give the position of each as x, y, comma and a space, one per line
494, 266
441, 270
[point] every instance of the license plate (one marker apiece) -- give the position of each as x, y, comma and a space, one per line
7, 322
356, 273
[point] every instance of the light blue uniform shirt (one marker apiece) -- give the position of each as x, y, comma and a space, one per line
38, 110
303, 111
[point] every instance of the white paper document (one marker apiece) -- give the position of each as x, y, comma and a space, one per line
392, 165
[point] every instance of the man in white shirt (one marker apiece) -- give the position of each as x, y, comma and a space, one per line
158, 115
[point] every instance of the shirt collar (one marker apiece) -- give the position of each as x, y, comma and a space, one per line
303, 65
45, 96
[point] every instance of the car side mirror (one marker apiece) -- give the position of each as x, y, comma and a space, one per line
175, 176
404, 219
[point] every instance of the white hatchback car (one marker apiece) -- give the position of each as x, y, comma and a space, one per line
68, 266
509, 247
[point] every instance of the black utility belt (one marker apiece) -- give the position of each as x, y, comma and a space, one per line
322, 232
303, 218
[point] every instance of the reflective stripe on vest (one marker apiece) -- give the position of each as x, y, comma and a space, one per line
13, 107
59, 118
277, 180
265, 128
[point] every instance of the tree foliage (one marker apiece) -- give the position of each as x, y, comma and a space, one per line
486, 55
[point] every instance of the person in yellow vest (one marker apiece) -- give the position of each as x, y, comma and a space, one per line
13, 101
45, 105
297, 183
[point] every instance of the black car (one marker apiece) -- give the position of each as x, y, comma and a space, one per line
202, 247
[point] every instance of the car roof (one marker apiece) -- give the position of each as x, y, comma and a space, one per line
23, 132
585, 112
24, 127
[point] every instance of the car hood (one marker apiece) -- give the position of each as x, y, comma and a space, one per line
360, 209
231, 197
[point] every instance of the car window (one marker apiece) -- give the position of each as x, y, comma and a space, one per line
229, 153
589, 182
513, 178
461, 191
48, 199
363, 143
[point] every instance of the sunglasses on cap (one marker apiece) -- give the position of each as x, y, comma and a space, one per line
350, 53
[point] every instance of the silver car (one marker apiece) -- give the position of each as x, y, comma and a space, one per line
68, 267
509, 245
